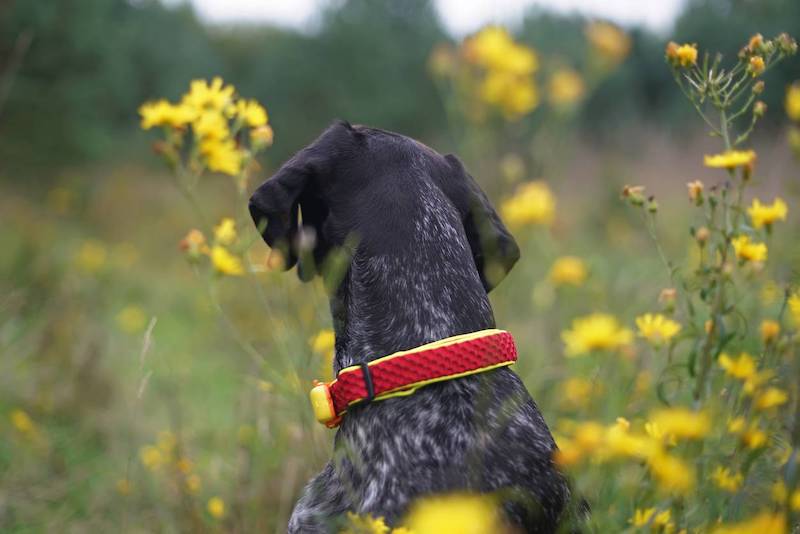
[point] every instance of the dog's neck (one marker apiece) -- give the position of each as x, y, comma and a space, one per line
423, 289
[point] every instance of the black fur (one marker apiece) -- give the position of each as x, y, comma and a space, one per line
428, 248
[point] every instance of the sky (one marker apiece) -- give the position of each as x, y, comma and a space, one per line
459, 16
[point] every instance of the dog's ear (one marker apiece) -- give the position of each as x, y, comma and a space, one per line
289, 214
493, 247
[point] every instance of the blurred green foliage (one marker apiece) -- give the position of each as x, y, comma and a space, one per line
89, 64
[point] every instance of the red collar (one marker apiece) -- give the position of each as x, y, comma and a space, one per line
403, 372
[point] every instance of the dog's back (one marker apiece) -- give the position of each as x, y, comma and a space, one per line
429, 248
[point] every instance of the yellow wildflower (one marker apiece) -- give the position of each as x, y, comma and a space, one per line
454, 514
598, 331
747, 250
672, 474
779, 492
641, 517
22, 422
495, 49
684, 55
167, 442
657, 328
123, 486
682, 423
184, 465
532, 203
794, 307
216, 507
657, 522
736, 425
151, 457
568, 270
608, 40
91, 256
568, 453
131, 319
193, 484
589, 435
162, 113
515, 96
653, 430
723, 478
754, 437
755, 381
223, 156
577, 392
757, 66
792, 102
770, 398
769, 330
225, 231
204, 96
766, 214
742, 368
763, 523
251, 112
731, 159
211, 126
619, 441
364, 524
566, 87
226, 263
323, 342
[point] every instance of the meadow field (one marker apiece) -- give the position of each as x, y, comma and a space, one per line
156, 360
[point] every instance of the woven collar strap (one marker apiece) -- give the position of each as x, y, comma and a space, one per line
403, 372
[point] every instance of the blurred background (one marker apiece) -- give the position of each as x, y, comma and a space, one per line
114, 356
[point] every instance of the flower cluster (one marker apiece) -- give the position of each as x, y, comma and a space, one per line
507, 70
532, 203
220, 253
731, 424
214, 119
167, 458
608, 41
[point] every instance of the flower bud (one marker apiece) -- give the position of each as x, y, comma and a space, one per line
671, 51
727, 268
634, 193
786, 44
261, 137
769, 331
696, 192
702, 234
667, 298
759, 109
652, 205
758, 87
755, 44
194, 244
756, 66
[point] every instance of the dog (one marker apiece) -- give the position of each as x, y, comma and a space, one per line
428, 249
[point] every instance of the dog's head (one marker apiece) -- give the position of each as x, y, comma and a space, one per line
337, 187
